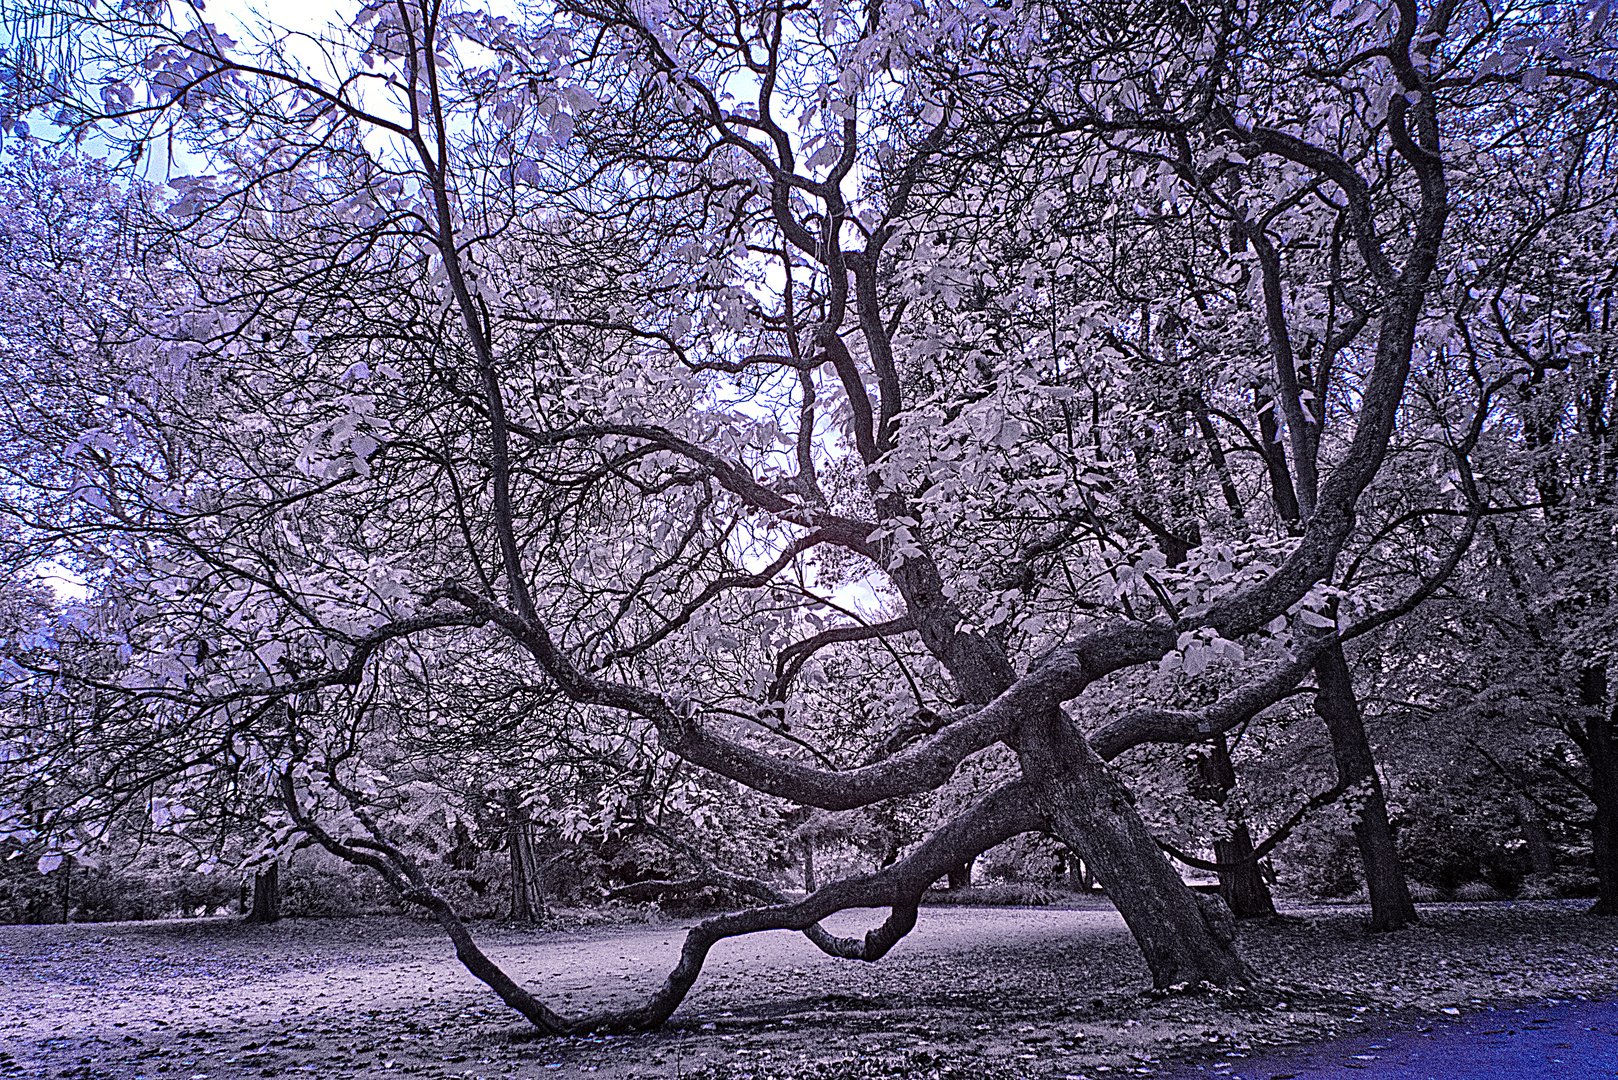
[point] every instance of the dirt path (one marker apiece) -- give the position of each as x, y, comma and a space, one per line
979, 993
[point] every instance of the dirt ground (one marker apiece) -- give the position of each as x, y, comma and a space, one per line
979, 993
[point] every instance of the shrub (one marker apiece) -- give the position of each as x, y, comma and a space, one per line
315, 884
1538, 888
1423, 893
1475, 892
1008, 894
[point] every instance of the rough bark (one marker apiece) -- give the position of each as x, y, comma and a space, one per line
1536, 838
527, 876
1335, 703
1187, 941
266, 895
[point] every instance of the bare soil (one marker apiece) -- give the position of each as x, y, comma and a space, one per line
979, 993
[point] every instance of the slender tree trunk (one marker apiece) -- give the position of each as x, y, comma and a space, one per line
1187, 940
266, 895
1391, 906
1601, 749
527, 884
67, 888
1536, 838
1241, 885
810, 882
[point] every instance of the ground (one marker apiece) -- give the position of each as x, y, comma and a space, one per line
979, 993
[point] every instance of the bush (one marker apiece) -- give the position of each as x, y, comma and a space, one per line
104, 895
1008, 894
1477, 892
146, 889
26, 895
318, 885
1423, 893
1539, 888
1453, 850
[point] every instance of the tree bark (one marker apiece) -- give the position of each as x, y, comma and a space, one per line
527, 883
1187, 940
266, 895
1335, 703
1241, 885
1601, 750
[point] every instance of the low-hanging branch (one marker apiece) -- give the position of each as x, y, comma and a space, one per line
1004, 813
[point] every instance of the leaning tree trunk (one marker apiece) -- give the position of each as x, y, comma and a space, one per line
266, 895
1391, 906
1187, 941
1601, 750
1241, 885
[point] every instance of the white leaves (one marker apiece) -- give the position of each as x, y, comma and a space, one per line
1198, 650
271, 653
824, 157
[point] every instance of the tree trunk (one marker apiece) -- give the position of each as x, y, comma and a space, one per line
67, 888
266, 895
1601, 749
1079, 878
1391, 907
1187, 940
527, 882
1536, 838
810, 884
1241, 885
960, 877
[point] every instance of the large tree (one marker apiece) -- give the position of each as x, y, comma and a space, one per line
672, 359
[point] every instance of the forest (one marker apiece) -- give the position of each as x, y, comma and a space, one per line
770, 459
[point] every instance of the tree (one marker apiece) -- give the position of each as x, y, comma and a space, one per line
643, 358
